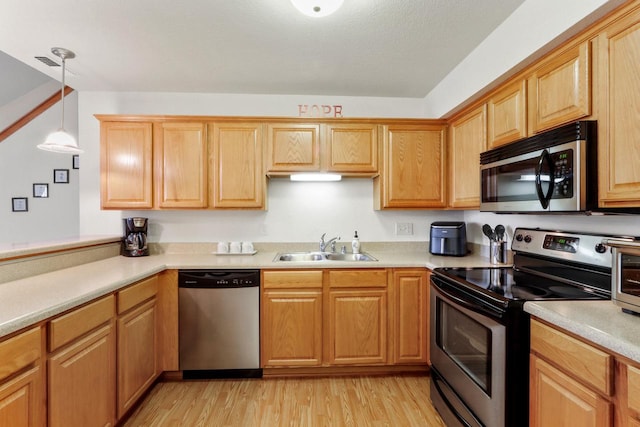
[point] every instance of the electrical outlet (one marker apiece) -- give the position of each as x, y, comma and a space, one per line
404, 228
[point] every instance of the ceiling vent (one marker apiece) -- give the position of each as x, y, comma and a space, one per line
47, 61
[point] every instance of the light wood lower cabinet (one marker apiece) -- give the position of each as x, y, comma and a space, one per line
411, 316
22, 393
557, 399
344, 318
291, 320
357, 317
81, 385
137, 354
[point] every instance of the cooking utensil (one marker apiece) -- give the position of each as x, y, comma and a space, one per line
500, 232
488, 231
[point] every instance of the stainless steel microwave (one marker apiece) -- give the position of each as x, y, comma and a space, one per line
625, 273
554, 171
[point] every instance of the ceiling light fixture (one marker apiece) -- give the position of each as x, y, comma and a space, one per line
317, 8
61, 141
315, 176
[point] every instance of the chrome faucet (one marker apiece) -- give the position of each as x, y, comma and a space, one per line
332, 242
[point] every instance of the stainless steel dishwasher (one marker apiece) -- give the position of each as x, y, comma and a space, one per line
219, 323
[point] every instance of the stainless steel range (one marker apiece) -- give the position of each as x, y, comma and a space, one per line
480, 331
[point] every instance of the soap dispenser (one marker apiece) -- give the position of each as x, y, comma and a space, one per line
355, 244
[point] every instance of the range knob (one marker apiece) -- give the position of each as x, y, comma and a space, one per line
600, 248
519, 237
527, 238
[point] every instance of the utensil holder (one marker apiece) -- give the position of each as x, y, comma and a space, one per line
497, 252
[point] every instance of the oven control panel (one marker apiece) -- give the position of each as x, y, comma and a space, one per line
578, 247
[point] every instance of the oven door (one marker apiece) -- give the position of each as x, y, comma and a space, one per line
626, 278
550, 179
468, 350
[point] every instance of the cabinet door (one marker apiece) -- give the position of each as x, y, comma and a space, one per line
507, 114
293, 147
414, 167
292, 328
81, 387
619, 148
21, 400
180, 156
357, 327
352, 148
137, 348
558, 400
235, 166
126, 165
410, 334
468, 136
560, 90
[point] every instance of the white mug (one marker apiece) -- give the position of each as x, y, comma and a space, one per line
247, 247
235, 247
223, 247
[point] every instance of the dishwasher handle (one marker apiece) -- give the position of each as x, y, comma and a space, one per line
217, 279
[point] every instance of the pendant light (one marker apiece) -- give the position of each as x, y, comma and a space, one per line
61, 141
317, 8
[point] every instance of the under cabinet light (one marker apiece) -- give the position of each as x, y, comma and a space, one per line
315, 176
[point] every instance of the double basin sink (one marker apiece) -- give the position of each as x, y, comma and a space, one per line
322, 256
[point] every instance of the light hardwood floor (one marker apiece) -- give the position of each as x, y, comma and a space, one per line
396, 401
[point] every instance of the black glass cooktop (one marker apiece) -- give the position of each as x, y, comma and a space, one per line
509, 284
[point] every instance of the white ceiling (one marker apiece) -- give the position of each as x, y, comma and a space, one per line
389, 48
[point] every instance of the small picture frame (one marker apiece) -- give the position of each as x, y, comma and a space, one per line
76, 161
61, 176
41, 190
19, 204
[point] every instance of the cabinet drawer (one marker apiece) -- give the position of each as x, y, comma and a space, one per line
19, 351
135, 294
633, 382
292, 279
358, 278
581, 360
78, 322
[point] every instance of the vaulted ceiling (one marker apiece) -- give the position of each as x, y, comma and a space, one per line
394, 48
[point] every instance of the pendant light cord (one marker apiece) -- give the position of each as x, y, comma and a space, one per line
62, 90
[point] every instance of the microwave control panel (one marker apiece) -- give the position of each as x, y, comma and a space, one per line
562, 174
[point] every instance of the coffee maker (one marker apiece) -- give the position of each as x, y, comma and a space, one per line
134, 242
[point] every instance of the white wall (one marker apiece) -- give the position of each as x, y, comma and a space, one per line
22, 165
297, 211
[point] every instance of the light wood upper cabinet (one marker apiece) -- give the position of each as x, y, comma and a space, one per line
559, 90
235, 166
619, 130
22, 380
126, 165
413, 174
293, 147
180, 157
411, 316
507, 114
468, 138
351, 148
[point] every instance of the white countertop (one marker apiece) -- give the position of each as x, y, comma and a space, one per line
27, 301
601, 322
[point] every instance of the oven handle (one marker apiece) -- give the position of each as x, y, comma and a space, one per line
447, 292
544, 198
